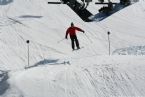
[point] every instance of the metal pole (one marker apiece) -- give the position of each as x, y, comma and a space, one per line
109, 41
28, 52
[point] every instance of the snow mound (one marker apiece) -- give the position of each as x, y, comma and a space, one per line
82, 79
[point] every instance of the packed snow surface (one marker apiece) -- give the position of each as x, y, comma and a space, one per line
54, 69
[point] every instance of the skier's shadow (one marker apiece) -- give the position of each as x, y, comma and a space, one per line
46, 62
5, 2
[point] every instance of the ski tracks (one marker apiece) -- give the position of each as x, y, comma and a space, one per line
105, 80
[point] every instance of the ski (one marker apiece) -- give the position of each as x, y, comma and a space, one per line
78, 49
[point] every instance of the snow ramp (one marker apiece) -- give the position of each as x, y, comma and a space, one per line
111, 77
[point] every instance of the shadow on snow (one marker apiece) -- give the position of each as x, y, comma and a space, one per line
101, 16
29, 16
4, 85
48, 62
5, 2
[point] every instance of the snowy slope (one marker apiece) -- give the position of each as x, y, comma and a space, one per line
56, 71
116, 76
45, 25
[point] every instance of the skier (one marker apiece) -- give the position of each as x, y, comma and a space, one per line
72, 32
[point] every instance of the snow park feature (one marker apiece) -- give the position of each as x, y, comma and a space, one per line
54, 69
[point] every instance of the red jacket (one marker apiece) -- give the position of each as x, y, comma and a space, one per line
72, 31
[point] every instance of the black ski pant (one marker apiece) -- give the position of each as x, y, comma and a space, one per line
74, 41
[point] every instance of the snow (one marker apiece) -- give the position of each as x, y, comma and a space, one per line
57, 71
84, 78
